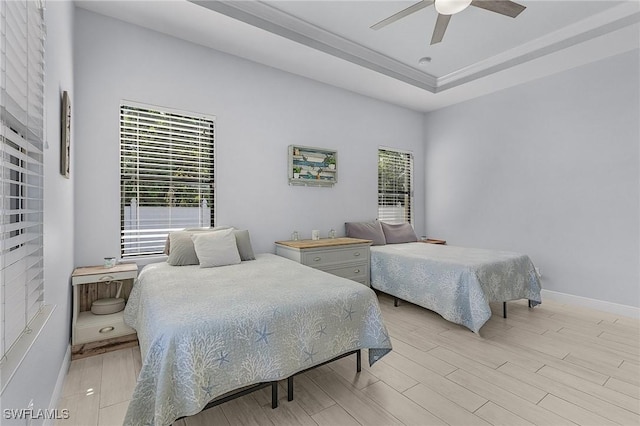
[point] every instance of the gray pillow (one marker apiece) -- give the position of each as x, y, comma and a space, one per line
366, 231
167, 244
182, 251
216, 248
243, 241
400, 233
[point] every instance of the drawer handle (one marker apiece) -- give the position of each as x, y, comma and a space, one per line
357, 271
106, 278
106, 329
356, 254
317, 259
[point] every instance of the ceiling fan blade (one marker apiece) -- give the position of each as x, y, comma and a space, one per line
440, 28
406, 12
503, 7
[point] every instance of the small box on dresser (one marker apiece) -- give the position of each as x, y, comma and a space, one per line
344, 257
93, 334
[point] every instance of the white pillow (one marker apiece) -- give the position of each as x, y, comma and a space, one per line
216, 248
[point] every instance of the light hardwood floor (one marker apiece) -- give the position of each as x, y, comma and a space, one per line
551, 365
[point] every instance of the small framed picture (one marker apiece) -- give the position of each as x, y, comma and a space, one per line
65, 136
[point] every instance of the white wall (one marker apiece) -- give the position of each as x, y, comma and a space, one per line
259, 110
37, 376
549, 168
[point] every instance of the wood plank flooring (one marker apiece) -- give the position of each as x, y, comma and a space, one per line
551, 365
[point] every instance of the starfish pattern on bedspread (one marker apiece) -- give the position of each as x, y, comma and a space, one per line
239, 325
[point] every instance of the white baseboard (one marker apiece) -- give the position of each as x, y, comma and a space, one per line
57, 391
601, 305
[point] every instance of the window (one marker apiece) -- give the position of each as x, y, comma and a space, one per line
21, 172
166, 176
395, 186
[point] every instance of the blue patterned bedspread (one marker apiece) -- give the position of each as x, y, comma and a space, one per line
205, 332
456, 282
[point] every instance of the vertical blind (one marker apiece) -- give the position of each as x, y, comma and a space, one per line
166, 176
395, 186
21, 167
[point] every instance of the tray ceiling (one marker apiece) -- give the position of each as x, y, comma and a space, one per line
331, 41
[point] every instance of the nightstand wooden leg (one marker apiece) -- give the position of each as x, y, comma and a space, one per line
359, 361
504, 309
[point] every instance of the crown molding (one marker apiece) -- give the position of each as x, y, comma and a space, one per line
598, 25
269, 18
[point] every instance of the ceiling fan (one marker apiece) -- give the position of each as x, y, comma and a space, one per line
447, 8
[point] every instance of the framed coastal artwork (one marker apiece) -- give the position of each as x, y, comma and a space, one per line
311, 166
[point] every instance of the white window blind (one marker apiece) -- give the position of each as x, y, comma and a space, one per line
395, 186
21, 167
166, 176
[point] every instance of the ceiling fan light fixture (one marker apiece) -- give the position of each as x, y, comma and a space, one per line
451, 7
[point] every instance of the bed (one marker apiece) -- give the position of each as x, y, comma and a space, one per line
456, 282
204, 332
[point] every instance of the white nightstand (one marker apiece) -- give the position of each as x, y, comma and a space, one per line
92, 334
344, 257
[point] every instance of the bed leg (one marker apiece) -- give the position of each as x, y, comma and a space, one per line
504, 309
274, 394
395, 302
290, 388
359, 361
530, 303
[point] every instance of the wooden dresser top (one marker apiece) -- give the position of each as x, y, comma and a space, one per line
322, 242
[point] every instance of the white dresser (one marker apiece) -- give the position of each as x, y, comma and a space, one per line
344, 257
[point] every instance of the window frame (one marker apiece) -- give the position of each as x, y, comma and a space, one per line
162, 233
23, 311
409, 161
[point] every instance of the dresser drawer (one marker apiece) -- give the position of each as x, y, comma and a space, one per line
345, 257
91, 328
319, 258
356, 271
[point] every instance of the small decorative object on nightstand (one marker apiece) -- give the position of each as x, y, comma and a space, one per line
93, 334
344, 257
